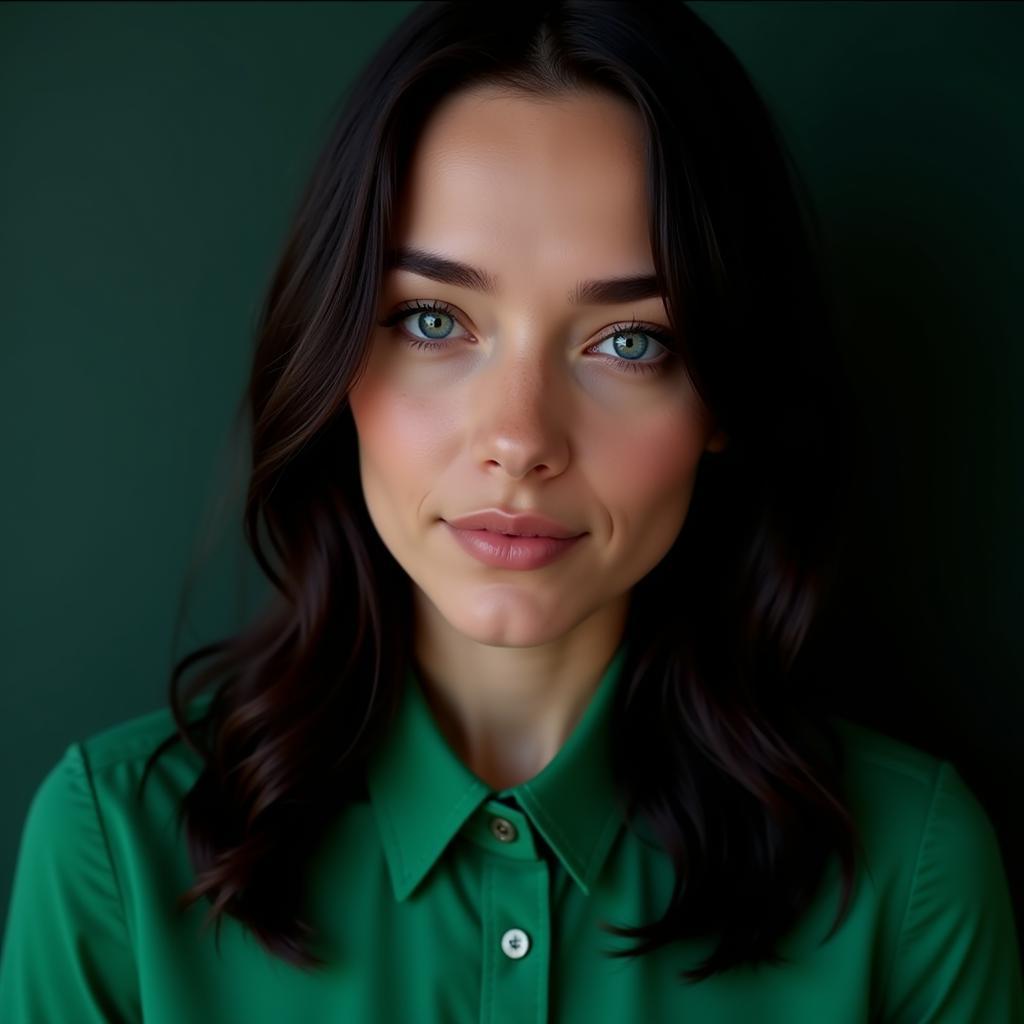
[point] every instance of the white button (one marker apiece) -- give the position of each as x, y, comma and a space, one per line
503, 829
515, 943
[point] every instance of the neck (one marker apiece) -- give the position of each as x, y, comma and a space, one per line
506, 711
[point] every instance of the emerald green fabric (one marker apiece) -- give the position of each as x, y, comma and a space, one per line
440, 900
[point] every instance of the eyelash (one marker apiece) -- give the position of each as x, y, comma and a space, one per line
437, 306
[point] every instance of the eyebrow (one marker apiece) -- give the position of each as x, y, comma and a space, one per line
609, 291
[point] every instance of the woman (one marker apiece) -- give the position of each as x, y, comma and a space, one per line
549, 450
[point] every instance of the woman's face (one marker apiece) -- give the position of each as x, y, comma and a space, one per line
531, 401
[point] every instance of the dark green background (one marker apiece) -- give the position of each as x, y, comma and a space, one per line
150, 158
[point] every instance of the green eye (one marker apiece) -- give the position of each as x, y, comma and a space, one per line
626, 338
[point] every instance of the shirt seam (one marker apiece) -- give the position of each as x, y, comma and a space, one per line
490, 955
884, 760
97, 812
543, 949
127, 749
914, 879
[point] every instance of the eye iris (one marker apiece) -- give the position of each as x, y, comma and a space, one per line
431, 321
631, 348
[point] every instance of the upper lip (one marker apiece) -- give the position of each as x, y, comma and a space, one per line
521, 524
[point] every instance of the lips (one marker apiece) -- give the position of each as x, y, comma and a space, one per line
522, 524
500, 551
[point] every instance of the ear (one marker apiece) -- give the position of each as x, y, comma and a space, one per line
717, 441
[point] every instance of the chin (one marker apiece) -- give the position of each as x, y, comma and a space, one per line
494, 621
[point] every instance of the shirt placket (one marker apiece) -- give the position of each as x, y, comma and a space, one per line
516, 919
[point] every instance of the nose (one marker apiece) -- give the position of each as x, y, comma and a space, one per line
520, 415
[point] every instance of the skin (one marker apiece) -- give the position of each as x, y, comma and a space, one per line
520, 411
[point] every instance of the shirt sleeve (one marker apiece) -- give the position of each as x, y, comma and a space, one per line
957, 957
66, 953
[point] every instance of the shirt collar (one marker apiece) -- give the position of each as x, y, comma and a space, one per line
423, 794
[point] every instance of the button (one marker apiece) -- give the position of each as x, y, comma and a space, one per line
503, 829
515, 943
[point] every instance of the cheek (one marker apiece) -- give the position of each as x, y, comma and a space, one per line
649, 460
644, 477
400, 433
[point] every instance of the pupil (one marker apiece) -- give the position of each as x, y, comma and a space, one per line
630, 345
431, 321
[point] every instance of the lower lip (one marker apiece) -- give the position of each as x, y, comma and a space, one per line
496, 549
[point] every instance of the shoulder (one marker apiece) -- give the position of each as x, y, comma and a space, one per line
92, 860
126, 777
908, 801
91, 822
123, 744
895, 787
930, 850
131, 740
874, 755
89, 793
934, 871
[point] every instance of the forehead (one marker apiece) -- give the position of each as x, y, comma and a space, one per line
531, 188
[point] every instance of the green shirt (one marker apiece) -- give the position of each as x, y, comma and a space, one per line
441, 900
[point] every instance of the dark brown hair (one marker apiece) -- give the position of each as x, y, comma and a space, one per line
737, 771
